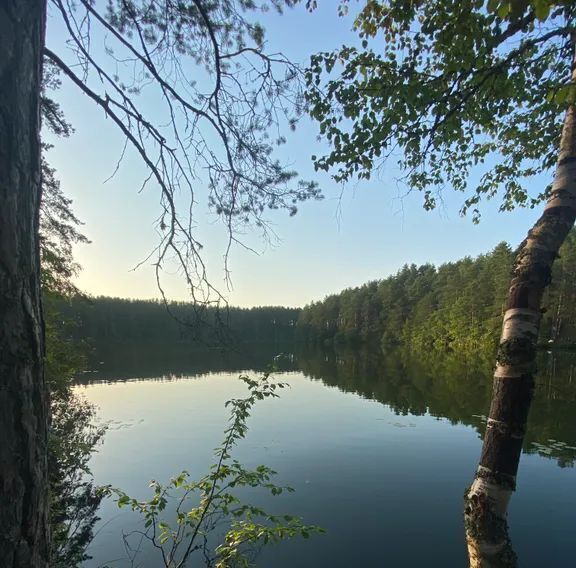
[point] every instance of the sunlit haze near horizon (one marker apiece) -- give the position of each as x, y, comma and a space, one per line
357, 233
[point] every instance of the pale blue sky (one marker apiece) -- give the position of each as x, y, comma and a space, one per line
357, 233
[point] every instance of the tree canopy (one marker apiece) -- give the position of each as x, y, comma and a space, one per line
59, 227
465, 95
457, 305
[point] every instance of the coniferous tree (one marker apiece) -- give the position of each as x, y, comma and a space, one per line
249, 91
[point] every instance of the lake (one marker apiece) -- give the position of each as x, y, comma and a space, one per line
378, 447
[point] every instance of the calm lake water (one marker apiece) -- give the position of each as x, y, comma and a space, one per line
379, 449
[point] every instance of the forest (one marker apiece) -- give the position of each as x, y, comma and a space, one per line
102, 319
473, 99
457, 305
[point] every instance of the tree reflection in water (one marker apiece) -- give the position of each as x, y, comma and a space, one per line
452, 386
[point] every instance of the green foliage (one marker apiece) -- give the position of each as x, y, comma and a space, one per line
455, 89
73, 435
74, 498
58, 233
458, 305
64, 356
201, 506
59, 226
120, 319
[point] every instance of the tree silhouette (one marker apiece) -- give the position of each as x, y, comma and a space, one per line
222, 102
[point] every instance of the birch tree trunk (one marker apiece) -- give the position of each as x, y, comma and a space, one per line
486, 501
23, 398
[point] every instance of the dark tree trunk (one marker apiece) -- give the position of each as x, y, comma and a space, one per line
23, 397
487, 499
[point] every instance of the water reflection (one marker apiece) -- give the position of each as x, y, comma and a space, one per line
129, 361
356, 471
445, 385
456, 387
459, 388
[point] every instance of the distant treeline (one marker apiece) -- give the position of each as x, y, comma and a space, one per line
109, 320
456, 305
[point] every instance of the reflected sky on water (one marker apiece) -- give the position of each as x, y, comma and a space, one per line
378, 447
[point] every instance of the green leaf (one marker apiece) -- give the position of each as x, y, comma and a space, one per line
123, 500
541, 9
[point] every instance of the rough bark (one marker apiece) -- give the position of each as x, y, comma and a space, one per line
23, 398
486, 501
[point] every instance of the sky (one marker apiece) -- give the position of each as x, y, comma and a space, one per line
357, 233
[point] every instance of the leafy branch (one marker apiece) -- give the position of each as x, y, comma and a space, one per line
464, 96
202, 506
